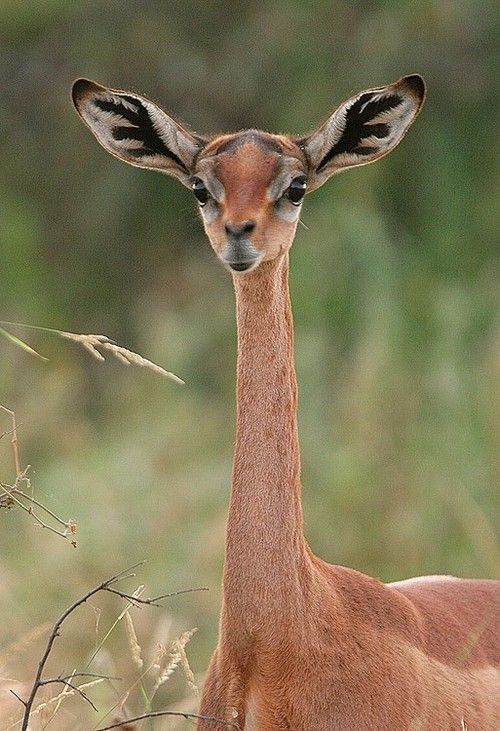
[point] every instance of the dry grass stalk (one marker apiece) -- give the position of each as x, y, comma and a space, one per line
135, 648
186, 668
14, 441
46, 711
136, 595
93, 344
21, 344
39, 681
65, 693
48, 708
164, 672
62, 695
175, 658
43, 708
121, 712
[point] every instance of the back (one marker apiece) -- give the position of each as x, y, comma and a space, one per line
460, 618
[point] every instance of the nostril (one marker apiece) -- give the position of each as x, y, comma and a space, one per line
247, 227
238, 229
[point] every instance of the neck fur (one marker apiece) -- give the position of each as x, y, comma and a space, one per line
266, 554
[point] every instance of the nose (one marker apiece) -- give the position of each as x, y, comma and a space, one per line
239, 229
239, 252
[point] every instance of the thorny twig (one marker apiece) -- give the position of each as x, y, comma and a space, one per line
153, 601
12, 494
106, 586
159, 714
38, 682
67, 684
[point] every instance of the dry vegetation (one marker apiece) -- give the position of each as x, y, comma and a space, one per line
395, 290
43, 700
21, 491
93, 344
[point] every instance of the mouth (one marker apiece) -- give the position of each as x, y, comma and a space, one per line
241, 256
244, 265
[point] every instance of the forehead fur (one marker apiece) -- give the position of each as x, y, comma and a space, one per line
246, 168
247, 162
268, 143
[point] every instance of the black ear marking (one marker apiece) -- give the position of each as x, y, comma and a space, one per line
136, 130
143, 129
357, 127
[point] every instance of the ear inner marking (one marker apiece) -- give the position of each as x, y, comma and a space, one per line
143, 130
357, 126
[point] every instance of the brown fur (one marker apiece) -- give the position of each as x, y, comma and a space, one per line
305, 646
246, 169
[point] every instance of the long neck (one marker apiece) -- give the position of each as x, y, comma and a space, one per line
266, 555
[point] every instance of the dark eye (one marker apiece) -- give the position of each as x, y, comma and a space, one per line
296, 190
200, 191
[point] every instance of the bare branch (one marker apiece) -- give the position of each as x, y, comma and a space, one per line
178, 593
153, 601
13, 495
64, 678
67, 683
18, 697
6, 433
68, 524
10, 491
55, 633
106, 586
159, 714
127, 573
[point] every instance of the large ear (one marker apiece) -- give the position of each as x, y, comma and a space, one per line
136, 130
363, 128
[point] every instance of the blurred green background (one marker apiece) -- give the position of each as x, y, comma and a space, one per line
394, 285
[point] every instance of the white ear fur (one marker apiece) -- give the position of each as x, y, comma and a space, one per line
134, 129
363, 128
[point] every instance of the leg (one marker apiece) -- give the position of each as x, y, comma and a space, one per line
223, 696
